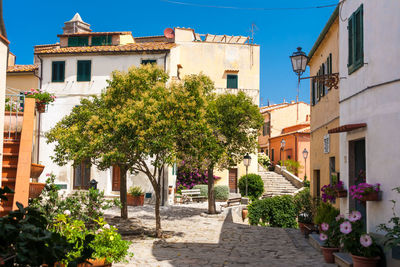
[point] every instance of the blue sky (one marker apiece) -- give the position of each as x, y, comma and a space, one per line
279, 32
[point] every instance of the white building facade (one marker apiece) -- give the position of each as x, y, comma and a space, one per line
81, 64
369, 66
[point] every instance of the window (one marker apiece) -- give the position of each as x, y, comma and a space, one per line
148, 61
326, 143
78, 41
102, 40
272, 154
82, 175
58, 71
84, 70
232, 81
319, 89
266, 128
356, 43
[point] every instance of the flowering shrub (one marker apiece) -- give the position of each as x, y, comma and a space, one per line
329, 191
331, 232
392, 236
363, 189
355, 240
189, 179
263, 160
41, 96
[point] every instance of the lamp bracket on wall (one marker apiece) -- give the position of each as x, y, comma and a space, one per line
329, 80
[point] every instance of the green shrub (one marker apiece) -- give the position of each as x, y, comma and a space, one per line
255, 186
293, 166
221, 191
203, 189
136, 191
278, 211
303, 203
325, 213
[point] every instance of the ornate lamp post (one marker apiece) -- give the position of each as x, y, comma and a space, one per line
283, 143
305, 155
247, 162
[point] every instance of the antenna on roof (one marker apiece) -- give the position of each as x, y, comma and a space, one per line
253, 29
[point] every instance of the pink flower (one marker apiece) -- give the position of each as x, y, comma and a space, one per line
354, 216
339, 217
366, 240
106, 226
323, 237
324, 226
48, 174
345, 227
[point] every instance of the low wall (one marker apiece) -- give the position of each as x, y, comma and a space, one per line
296, 181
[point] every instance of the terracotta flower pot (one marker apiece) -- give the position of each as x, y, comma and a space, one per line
36, 170
359, 261
135, 200
244, 214
328, 254
373, 196
35, 189
41, 107
92, 263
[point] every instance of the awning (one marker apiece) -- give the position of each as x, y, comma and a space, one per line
347, 128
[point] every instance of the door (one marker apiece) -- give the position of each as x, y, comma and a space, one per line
233, 180
359, 176
116, 178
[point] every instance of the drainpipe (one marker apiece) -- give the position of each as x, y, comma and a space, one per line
39, 116
165, 61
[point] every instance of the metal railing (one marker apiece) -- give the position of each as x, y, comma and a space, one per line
14, 108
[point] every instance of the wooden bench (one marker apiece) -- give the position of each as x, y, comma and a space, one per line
230, 201
190, 194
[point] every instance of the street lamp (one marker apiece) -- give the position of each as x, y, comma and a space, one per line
247, 162
283, 143
299, 64
305, 155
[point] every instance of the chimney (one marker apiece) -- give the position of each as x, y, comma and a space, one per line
76, 24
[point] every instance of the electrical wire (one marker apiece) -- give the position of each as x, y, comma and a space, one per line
248, 8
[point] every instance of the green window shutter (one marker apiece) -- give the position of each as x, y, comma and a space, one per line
356, 40
313, 92
58, 71
102, 40
78, 41
351, 37
84, 71
268, 128
148, 61
330, 64
359, 35
232, 81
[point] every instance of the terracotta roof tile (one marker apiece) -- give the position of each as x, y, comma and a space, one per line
137, 47
93, 33
22, 68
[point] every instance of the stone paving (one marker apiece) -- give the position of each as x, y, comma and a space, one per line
195, 239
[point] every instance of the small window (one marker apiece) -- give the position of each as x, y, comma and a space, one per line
58, 71
148, 61
272, 154
82, 175
78, 41
356, 40
84, 71
266, 128
102, 40
232, 81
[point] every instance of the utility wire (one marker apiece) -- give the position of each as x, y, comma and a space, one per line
248, 8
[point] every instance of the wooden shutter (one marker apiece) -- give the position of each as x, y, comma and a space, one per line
232, 81
351, 38
358, 30
58, 71
84, 70
102, 40
116, 178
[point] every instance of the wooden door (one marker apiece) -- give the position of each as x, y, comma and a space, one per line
233, 180
116, 178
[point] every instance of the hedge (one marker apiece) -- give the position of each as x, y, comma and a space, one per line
255, 186
221, 191
278, 211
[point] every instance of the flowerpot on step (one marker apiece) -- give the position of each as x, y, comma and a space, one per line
359, 261
328, 254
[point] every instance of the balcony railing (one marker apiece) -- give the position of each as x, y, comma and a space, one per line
14, 108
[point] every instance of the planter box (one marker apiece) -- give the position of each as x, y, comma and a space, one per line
373, 196
36, 170
35, 189
135, 200
341, 193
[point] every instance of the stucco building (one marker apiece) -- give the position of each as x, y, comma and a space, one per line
80, 64
324, 154
21, 78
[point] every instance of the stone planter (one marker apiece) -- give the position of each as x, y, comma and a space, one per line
36, 170
135, 200
359, 261
35, 189
328, 254
373, 196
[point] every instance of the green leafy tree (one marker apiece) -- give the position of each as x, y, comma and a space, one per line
134, 124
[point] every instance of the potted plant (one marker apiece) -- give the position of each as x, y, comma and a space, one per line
135, 196
332, 191
366, 192
325, 212
362, 247
42, 98
392, 236
330, 235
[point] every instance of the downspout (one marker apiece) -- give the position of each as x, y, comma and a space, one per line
165, 61
39, 116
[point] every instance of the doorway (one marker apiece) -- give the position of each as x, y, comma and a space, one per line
357, 173
233, 173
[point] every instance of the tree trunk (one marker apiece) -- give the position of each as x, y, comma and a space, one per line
158, 217
123, 192
211, 196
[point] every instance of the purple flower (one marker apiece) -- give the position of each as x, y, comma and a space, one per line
366, 240
323, 237
345, 228
354, 216
324, 226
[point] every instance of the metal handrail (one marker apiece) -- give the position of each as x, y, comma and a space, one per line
14, 104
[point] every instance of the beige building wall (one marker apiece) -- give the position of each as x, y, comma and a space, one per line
22, 81
325, 115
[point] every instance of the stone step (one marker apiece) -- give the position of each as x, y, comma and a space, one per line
343, 259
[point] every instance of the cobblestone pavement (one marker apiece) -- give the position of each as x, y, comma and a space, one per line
195, 239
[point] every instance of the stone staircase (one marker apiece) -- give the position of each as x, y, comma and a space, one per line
276, 184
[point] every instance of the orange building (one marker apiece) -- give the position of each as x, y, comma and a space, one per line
296, 139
